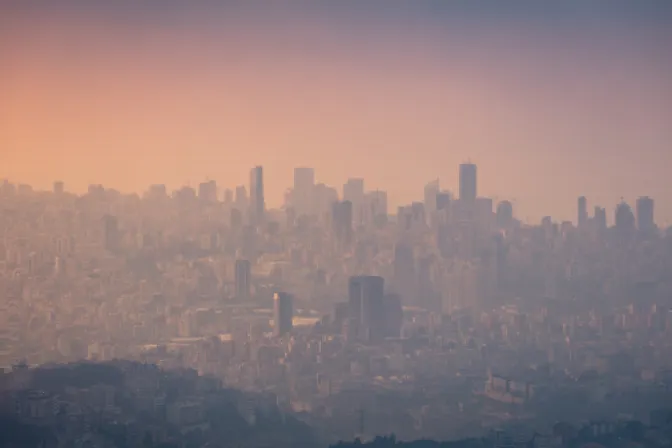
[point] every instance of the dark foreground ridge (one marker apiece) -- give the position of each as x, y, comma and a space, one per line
391, 442
129, 404
597, 434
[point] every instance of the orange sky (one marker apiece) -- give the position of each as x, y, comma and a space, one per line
547, 116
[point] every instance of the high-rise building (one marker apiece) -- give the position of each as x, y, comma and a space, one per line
624, 220
600, 218
283, 313
304, 179
468, 182
353, 191
442, 200
504, 215
582, 212
59, 187
243, 278
645, 217
431, 192
304, 188
157, 192
377, 201
323, 199
207, 191
257, 202
365, 299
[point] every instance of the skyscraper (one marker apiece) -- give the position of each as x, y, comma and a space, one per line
283, 313
257, 204
504, 215
468, 182
243, 276
353, 191
304, 179
377, 201
600, 218
442, 200
207, 191
365, 301
59, 187
303, 192
624, 220
431, 192
645, 218
582, 212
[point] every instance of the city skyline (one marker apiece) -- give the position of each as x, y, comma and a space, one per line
551, 104
215, 192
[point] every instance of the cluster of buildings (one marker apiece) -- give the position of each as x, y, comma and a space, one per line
442, 319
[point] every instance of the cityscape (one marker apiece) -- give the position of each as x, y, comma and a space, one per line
446, 319
335, 224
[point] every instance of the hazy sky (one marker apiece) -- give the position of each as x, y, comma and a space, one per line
550, 99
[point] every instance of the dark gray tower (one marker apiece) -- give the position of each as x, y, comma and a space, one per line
468, 182
645, 220
582, 217
283, 313
257, 203
366, 295
243, 279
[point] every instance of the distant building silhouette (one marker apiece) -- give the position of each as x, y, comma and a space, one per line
582, 212
432, 190
257, 202
283, 313
468, 182
59, 187
304, 189
243, 277
353, 191
645, 215
365, 299
624, 220
504, 215
600, 217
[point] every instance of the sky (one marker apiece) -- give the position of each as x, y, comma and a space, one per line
551, 100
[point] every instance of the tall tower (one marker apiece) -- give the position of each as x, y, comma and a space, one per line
365, 300
582, 217
624, 220
283, 313
243, 279
304, 186
353, 191
59, 187
600, 218
645, 219
257, 204
468, 182
432, 190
